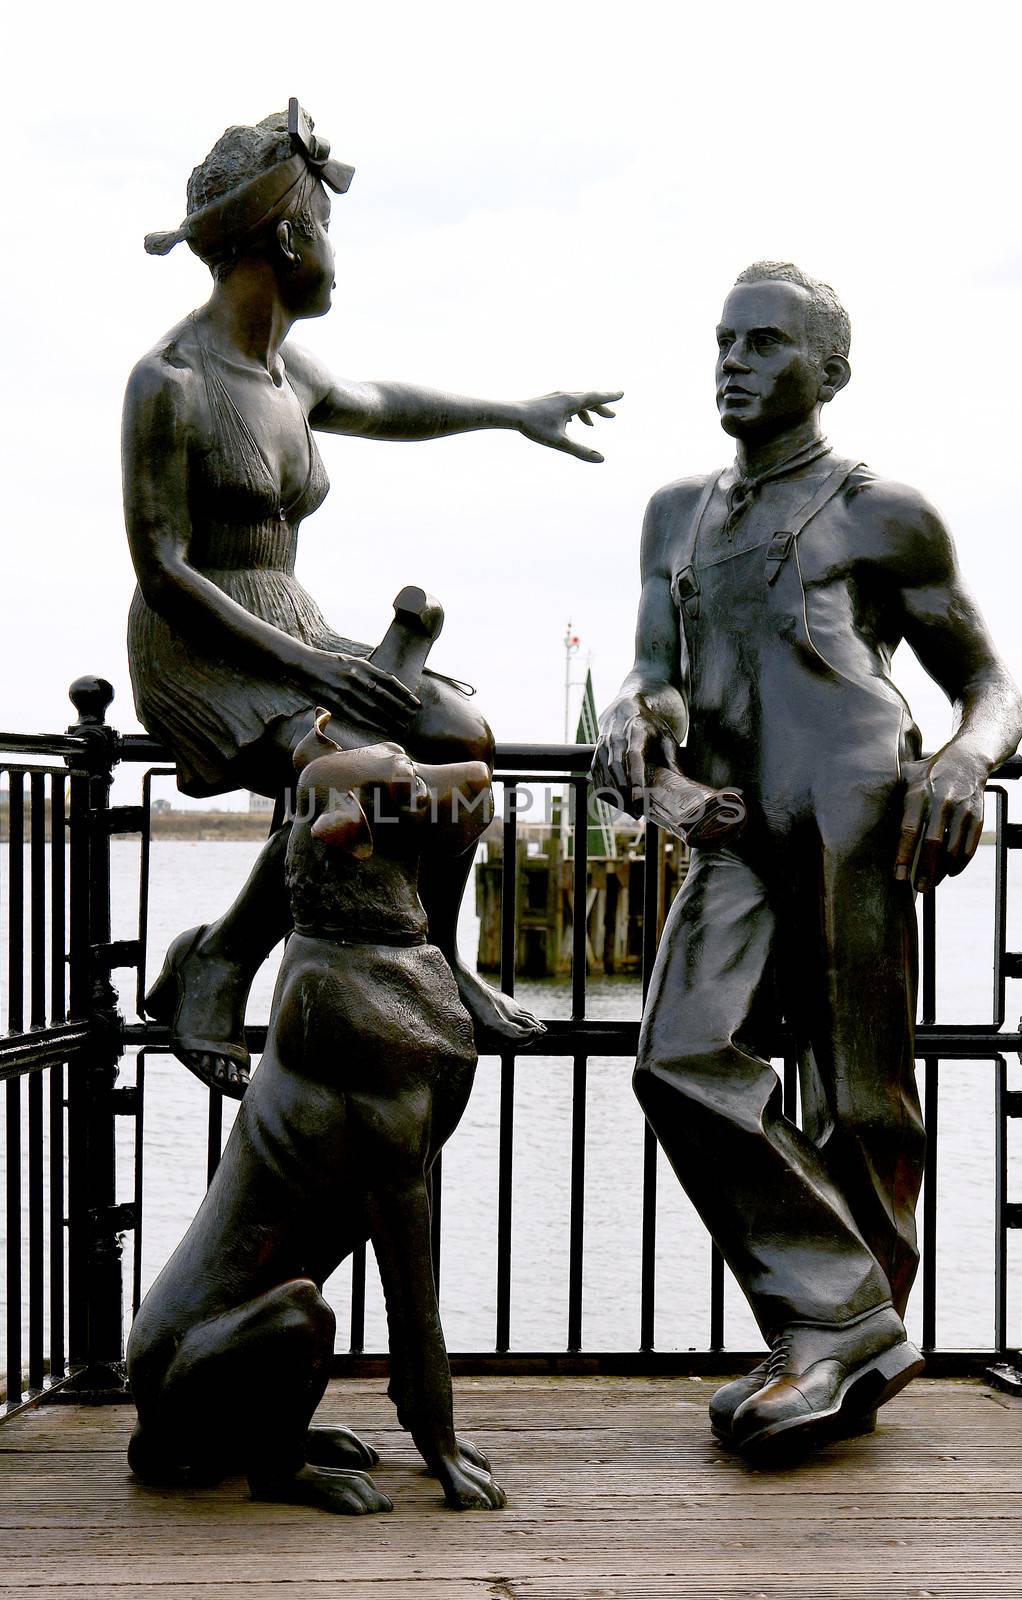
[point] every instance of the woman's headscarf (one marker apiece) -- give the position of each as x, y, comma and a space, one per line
217, 231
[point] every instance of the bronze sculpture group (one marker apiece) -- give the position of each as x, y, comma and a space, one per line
759, 721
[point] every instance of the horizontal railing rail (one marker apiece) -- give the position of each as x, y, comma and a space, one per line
65, 1039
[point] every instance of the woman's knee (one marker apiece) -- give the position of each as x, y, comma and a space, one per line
449, 728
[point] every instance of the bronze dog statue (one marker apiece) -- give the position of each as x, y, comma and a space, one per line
368, 1065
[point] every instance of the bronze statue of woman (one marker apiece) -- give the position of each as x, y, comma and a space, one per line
229, 654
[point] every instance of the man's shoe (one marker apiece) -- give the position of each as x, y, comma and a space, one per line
725, 1402
821, 1375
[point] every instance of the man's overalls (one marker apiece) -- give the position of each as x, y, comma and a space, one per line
801, 916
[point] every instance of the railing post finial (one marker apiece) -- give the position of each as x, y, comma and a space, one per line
90, 697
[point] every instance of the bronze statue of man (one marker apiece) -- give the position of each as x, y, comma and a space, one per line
229, 654
774, 594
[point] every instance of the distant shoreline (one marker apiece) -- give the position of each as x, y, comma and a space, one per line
188, 826
205, 825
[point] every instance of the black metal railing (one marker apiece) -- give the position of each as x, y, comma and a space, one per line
65, 1040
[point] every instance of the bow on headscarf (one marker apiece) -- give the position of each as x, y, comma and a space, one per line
215, 231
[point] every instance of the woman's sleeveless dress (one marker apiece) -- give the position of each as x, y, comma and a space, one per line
205, 708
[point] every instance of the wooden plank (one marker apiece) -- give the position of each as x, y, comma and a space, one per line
617, 1491
554, 1587
466, 1538
829, 1570
351, 1586
552, 1512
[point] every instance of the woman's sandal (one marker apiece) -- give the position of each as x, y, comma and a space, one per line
163, 1003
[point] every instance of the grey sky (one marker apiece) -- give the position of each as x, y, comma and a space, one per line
546, 196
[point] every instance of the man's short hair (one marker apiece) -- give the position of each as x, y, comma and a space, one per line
829, 327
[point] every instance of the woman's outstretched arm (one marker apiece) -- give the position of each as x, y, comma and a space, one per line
406, 411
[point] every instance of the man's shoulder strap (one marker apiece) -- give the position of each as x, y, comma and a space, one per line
783, 541
684, 584
693, 522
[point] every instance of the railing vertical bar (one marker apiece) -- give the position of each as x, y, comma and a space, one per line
929, 984
505, 1177
647, 1281
1000, 902
357, 1341
58, 1012
214, 1134
580, 1068
77, 1092
506, 1135
579, 895
57, 1233
15, 1021
436, 1206
58, 891
16, 902
650, 918
37, 1019
576, 1233
716, 1299
36, 1237
508, 900
650, 903
145, 860
1000, 1206
37, 899
136, 1256
931, 1103
13, 1156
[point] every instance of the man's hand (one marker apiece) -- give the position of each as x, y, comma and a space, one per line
942, 821
630, 738
545, 420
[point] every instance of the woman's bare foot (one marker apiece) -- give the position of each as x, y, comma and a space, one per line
499, 1021
201, 996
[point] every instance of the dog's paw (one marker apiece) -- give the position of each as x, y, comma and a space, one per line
472, 1453
468, 1487
340, 1448
351, 1494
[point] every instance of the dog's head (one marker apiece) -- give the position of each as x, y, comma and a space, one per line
343, 789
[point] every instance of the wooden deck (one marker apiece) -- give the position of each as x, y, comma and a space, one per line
616, 1492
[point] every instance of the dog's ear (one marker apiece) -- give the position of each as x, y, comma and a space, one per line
345, 824
316, 742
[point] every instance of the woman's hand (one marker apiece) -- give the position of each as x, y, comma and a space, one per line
352, 687
544, 420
